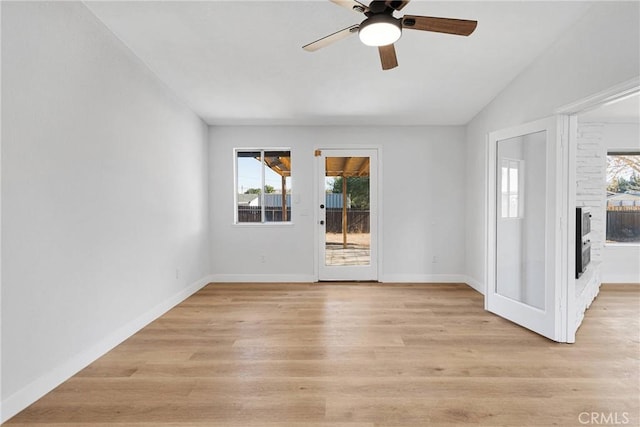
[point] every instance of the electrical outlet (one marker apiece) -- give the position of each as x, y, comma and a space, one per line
177, 273
435, 259
263, 259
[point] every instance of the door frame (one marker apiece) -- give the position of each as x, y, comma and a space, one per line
570, 112
551, 322
317, 167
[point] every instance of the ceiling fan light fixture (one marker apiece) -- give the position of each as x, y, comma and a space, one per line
380, 30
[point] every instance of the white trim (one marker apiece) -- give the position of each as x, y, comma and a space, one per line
571, 185
475, 284
425, 278
621, 244
316, 217
307, 278
262, 278
274, 224
523, 129
1, 220
564, 210
379, 182
594, 101
489, 225
44, 384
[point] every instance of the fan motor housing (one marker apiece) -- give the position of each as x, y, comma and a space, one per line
380, 30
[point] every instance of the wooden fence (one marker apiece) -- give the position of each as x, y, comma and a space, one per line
254, 214
623, 225
357, 220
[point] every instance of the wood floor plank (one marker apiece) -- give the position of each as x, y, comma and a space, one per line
354, 355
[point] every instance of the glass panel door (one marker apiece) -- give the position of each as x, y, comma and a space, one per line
524, 239
521, 224
347, 215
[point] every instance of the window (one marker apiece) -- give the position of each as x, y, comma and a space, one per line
623, 197
510, 188
263, 186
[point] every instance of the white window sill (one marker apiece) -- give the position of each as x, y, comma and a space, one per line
263, 224
622, 245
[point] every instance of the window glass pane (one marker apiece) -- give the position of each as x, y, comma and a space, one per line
505, 179
623, 197
509, 185
263, 192
504, 186
513, 206
347, 211
513, 178
277, 186
249, 179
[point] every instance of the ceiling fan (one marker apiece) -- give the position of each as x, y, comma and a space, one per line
382, 29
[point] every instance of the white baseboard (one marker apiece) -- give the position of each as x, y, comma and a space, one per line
624, 279
424, 278
41, 386
307, 278
262, 278
475, 284
435, 278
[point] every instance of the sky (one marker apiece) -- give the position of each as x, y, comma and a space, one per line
249, 176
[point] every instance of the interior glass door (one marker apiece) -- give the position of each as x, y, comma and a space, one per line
347, 211
521, 223
524, 272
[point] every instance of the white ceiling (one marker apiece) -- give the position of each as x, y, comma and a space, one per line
241, 62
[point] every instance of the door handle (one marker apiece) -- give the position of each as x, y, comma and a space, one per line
321, 222
321, 206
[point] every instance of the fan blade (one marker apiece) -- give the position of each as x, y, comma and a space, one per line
331, 38
352, 5
460, 27
388, 57
397, 4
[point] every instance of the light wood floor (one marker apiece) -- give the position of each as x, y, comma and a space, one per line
356, 355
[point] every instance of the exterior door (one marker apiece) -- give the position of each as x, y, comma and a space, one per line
526, 239
347, 212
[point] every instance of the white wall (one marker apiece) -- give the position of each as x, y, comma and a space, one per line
599, 52
104, 196
422, 195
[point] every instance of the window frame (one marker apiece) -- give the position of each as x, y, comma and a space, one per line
519, 193
263, 222
615, 152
